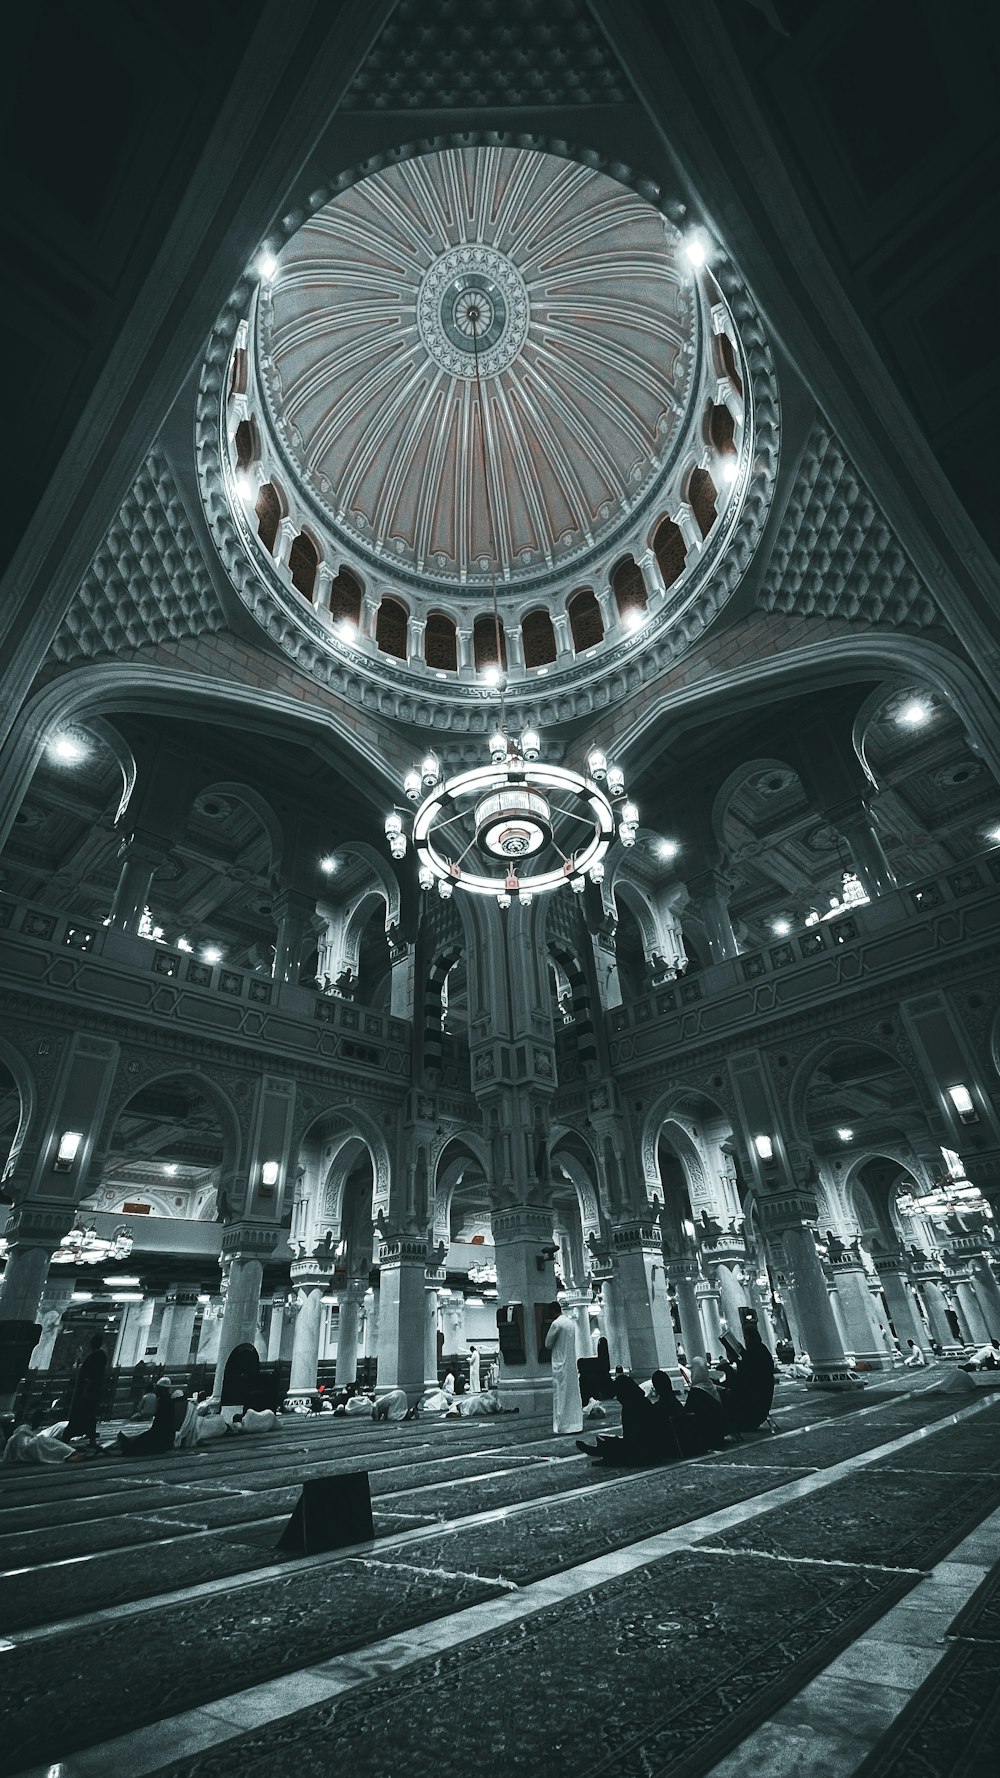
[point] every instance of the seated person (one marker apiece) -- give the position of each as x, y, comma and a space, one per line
640, 1441
203, 1424
673, 1425
159, 1436
469, 1407
750, 1392
704, 1410
913, 1357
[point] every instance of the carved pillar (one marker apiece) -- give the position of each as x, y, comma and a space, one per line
141, 855
971, 1313
56, 1299
211, 1332
709, 1303
713, 892
276, 1329
854, 821
861, 1334
525, 1277
247, 1246
614, 1322
434, 1278
308, 1319
133, 1335
33, 1234
638, 1258
906, 1317
783, 1217
683, 1277
987, 1291
347, 1331
177, 1327
293, 911
402, 1315
935, 1304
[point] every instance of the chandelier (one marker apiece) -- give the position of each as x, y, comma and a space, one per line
84, 1246
517, 827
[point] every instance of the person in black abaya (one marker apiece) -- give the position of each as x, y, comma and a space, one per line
704, 1411
87, 1392
751, 1389
158, 1437
641, 1440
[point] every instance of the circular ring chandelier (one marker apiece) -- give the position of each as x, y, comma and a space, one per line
514, 828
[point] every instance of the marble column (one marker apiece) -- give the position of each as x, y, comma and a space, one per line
709, 1311
347, 1332
247, 1246
934, 1303
432, 1293
732, 1296
33, 1233
987, 1291
370, 1310
971, 1313
305, 1347
906, 1317
141, 856
638, 1258
521, 1234
402, 1319
276, 1328
133, 1338
293, 912
683, 1277
713, 905
862, 1338
613, 1313
784, 1217
177, 1327
453, 1319
56, 1299
211, 1333
872, 867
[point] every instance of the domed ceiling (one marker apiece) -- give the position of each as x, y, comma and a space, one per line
585, 318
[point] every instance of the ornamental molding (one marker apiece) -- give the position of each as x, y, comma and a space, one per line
617, 670
835, 554
148, 582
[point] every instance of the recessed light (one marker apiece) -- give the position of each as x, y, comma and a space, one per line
667, 849
212, 954
634, 619
913, 714
328, 865
846, 1135
729, 470
267, 265
781, 927
67, 750
694, 250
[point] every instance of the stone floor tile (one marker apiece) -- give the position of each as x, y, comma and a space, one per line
901, 1665
854, 1709
779, 1750
262, 1703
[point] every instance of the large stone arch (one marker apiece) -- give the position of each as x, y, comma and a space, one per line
259, 805
458, 1155
346, 1125
24, 1081
232, 1124
383, 880
849, 1037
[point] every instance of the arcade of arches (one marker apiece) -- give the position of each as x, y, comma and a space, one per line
256, 1086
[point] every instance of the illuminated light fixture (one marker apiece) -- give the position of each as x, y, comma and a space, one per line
328, 865
964, 1104
121, 1283
695, 251
171, 1170
66, 1153
994, 836
845, 1135
914, 714
82, 1296
633, 619
430, 771
531, 745
395, 835
616, 781
67, 750
84, 1246
764, 1147
491, 675
688, 1227
127, 1296
184, 944
347, 631
212, 954
267, 265
204, 1299
411, 785
781, 927
597, 765
729, 470
244, 487
269, 1173
667, 849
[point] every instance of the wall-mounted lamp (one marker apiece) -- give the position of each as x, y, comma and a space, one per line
688, 1226
764, 1147
66, 1153
962, 1100
545, 1257
269, 1173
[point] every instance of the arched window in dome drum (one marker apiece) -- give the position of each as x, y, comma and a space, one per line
268, 510
391, 626
722, 429
441, 643
725, 360
246, 445
701, 499
303, 561
345, 598
484, 643
538, 638
585, 620
629, 587
238, 379
669, 550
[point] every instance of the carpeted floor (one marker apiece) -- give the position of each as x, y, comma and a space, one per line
664, 1666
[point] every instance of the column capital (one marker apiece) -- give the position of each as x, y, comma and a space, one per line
249, 1240
634, 1237
38, 1225
783, 1210
401, 1250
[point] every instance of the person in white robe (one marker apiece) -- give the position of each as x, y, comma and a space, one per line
393, 1405
567, 1408
252, 1420
474, 1370
28, 1446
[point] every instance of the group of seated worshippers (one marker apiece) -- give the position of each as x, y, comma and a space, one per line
659, 1428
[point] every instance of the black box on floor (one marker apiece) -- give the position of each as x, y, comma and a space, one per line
332, 1511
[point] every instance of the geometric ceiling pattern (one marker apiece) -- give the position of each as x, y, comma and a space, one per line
148, 581
567, 291
835, 555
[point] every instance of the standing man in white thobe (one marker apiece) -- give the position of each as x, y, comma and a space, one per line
567, 1408
473, 1370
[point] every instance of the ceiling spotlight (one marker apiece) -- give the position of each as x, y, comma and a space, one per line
244, 487
694, 250
184, 944
171, 1170
667, 849
781, 927
729, 469
914, 714
634, 619
347, 631
67, 750
267, 265
994, 836
491, 675
212, 954
328, 865
845, 1135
